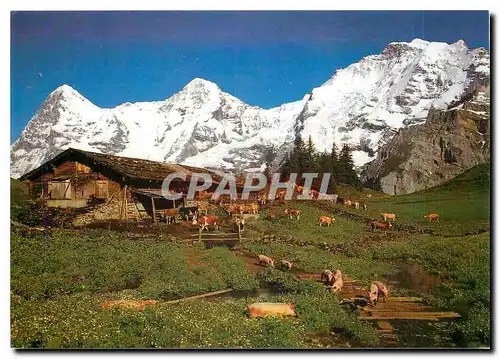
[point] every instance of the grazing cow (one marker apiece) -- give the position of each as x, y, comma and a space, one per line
327, 276
265, 260
364, 206
380, 225
382, 290
337, 285
387, 216
263, 309
170, 214
188, 213
325, 220
286, 264
262, 199
348, 202
373, 294
337, 274
293, 212
368, 196
355, 204
230, 209
314, 194
206, 221
280, 195
238, 223
432, 217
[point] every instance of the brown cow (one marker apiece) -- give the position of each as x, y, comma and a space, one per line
387, 216
286, 264
265, 260
355, 204
325, 220
348, 202
293, 212
238, 223
327, 276
381, 225
373, 294
432, 217
170, 214
337, 285
263, 309
206, 221
382, 290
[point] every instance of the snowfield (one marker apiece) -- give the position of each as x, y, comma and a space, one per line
201, 125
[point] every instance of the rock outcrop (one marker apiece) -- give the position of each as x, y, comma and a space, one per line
447, 144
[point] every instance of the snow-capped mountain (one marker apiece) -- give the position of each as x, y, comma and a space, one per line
363, 105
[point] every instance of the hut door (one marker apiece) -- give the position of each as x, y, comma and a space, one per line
60, 189
101, 190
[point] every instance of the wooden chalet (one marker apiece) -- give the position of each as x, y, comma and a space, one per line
120, 187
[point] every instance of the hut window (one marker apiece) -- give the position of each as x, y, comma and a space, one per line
60, 189
101, 189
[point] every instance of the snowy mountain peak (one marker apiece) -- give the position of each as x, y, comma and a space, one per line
362, 105
67, 91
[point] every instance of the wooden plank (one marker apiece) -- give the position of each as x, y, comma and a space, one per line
154, 211
411, 315
396, 299
199, 296
384, 325
215, 234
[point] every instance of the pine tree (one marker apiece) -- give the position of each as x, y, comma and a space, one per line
334, 162
347, 173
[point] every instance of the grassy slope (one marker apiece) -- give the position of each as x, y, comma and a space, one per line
56, 291
19, 191
462, 203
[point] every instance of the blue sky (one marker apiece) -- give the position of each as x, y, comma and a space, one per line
263, 58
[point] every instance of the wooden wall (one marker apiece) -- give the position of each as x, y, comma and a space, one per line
85, 183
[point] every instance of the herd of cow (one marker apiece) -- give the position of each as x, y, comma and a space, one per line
333, 280
198, 214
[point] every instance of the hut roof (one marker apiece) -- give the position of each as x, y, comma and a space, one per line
120, 167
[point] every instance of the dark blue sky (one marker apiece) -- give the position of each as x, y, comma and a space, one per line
263, 58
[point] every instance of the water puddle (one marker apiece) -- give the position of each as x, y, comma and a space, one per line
413, 277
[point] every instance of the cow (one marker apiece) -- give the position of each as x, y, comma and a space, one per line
355, 204
337, 285
230, 209
206, 221
380, 225
293, 212
265, 260
169, 214
364, 206
368, 196
263, 309
337, 274
286, 264
348, 202
188, 213
262, 199
314, 194
327, 276
325, 220
340, 200
280, 195
373, 294
387, 216
238, 223
432, 217
382, 290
